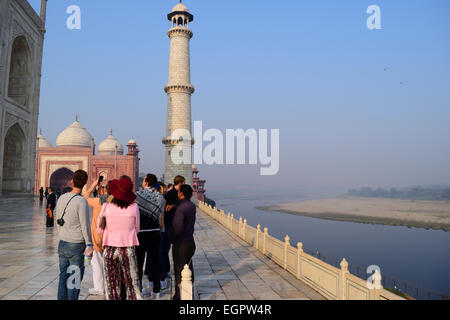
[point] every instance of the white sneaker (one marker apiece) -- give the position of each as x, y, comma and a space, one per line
146, 291
155, 296
164, 284
95, 292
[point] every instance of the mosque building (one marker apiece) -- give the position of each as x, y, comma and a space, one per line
75, 149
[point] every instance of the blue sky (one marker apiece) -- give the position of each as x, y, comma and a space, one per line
309, 68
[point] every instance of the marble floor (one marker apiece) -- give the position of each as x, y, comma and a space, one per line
29, 267
226, 268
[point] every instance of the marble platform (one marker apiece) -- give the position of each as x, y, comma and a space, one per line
226, 268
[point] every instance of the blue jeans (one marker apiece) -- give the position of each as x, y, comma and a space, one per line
71, 269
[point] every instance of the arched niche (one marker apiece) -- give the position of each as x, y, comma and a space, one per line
14, 160
20, 76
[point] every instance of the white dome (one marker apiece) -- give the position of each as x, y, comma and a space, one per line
74, 136
180, 7
132, 141
109, 146
43, 143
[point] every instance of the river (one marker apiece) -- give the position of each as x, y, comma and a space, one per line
415, 257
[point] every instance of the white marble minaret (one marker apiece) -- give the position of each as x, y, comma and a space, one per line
179, 91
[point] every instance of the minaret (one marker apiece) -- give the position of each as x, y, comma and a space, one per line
179, 90
43, 12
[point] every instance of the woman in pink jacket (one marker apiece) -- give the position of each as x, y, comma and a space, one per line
120, 240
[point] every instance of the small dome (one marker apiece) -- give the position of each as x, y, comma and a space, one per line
74, 136
132, 141
180, 8
43, 143
109, 146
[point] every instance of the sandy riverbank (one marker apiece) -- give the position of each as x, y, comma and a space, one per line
411, 213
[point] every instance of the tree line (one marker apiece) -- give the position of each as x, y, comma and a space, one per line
413, 193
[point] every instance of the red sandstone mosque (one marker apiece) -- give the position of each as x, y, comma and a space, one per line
75, 149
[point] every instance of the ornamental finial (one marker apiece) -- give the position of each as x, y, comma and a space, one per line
76, 117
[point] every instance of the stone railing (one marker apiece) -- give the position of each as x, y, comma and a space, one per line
331, 282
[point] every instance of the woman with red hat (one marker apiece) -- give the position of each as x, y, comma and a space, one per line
119, 223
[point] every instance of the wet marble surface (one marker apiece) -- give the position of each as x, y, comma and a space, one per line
226, 268
29, 266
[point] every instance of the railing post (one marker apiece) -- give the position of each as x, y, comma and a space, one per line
258, 231
245, 230
286, 247
343, 280
299, 259
374, 292
231, 222
266, 233
223, 217
228, 220
186, 284
240, 227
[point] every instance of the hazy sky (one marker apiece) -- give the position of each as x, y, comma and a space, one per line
309, 68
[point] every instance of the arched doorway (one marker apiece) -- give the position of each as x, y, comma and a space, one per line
14, 160
20, 72
60, 179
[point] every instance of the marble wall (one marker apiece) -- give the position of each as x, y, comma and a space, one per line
21, 38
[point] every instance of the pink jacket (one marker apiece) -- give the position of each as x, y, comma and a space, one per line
122, 225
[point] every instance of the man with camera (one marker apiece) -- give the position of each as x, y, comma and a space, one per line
73, 226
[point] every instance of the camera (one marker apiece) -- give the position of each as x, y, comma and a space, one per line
60, 222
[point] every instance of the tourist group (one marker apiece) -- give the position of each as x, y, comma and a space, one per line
129, 236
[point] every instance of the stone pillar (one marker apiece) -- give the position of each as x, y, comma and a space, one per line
343, 280
258, 231
374, 292
299, 259
266, 233
245, 230
286, 247
240, 227
186, 284
231, 222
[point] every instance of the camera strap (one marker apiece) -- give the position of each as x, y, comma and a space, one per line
64, 212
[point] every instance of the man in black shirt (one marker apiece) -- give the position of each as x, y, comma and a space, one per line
181, 235
171, 198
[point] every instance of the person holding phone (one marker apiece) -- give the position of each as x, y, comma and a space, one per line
97, 238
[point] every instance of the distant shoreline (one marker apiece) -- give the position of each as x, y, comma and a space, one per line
409, 213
